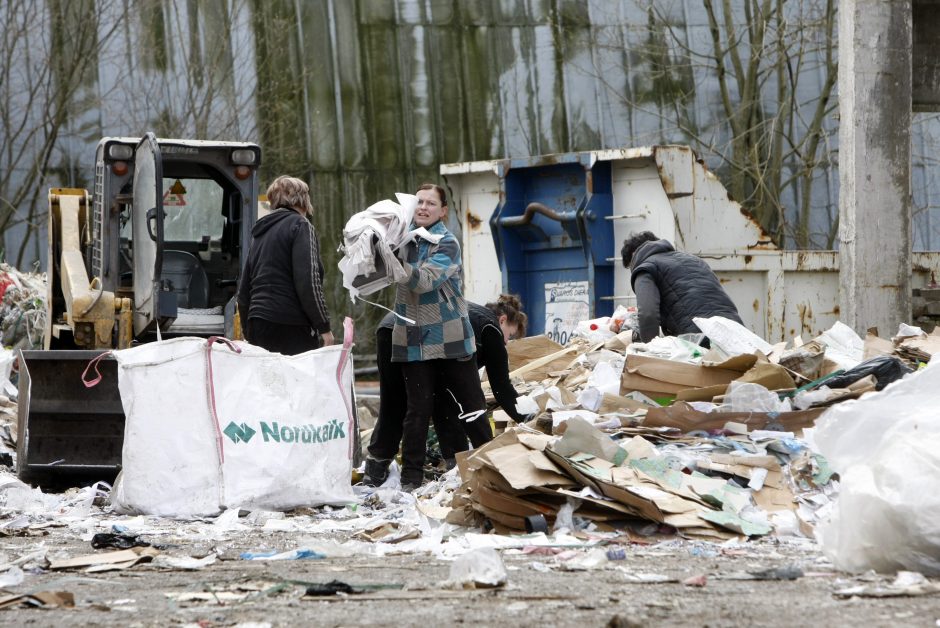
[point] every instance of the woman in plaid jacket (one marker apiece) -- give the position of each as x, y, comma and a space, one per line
439, 347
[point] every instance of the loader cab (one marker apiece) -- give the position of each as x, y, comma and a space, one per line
171, 229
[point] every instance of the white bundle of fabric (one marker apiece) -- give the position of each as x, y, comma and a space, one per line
368, 266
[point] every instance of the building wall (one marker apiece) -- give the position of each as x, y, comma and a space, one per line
365, 98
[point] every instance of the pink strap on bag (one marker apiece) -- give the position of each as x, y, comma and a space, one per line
210, 388
94, 363
348, 333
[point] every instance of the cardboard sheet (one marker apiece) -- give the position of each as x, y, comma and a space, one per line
682, 416
514, 464
534, 357
770, 376
657, 377
106, 561
875, 346
41, 599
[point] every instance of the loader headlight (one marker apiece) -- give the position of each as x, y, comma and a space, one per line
243, 157
121, 152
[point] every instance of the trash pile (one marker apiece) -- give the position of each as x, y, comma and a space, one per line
627, 441
525, 480
22, 324
602, 472
706, 443
22, 308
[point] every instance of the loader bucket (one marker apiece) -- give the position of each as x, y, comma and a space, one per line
65, 431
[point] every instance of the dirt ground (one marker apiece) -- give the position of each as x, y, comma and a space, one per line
405, 590
653, 584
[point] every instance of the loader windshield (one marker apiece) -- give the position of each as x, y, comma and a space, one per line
192, 210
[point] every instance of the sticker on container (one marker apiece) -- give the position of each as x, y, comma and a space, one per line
566, 304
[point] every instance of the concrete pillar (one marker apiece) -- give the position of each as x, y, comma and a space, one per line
875, 164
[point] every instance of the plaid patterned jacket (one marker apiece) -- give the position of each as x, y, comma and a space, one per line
432, 296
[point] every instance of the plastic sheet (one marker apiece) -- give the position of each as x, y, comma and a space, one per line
885, 368
908, 331
624, 317
730, 337
564, 520
595, 330
480, 567
745, 397
843, 345
886, 448
669, 348
806, 398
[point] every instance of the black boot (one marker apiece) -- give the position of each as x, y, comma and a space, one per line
376, 472
411, 479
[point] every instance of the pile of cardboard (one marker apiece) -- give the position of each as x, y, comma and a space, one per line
704, 443
918, 348
559, 382
701, 488
638, 385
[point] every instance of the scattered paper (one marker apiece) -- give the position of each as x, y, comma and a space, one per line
107, 561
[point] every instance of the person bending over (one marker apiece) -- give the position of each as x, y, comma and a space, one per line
671, 288
494, 325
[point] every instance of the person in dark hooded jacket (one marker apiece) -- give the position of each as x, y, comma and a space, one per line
280, 296
671, 288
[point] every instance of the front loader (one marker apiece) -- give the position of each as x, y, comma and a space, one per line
155, 250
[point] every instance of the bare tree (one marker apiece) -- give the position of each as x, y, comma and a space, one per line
48, 58
75, 69
773, 66
192, 63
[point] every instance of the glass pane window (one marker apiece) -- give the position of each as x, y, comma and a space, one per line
192, 210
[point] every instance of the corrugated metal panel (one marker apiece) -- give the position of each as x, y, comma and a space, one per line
366, 98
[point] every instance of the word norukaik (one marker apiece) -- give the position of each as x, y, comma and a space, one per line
273, 432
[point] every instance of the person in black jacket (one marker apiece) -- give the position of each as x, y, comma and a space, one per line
671, 288
493, 326
280, 295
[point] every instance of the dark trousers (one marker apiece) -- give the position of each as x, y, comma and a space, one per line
460, 378
393, 402
453, 431
422, 380
283, 339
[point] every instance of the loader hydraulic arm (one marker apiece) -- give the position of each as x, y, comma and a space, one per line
90, 310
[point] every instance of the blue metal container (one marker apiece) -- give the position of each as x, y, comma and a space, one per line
553, 239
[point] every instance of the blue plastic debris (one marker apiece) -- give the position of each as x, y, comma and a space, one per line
297, 554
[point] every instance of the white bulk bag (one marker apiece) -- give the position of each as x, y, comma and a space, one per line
217, 424
886, 449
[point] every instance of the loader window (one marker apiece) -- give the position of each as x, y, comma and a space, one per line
192, 210
190, 214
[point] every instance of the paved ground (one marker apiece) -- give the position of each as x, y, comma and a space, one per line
404, 590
